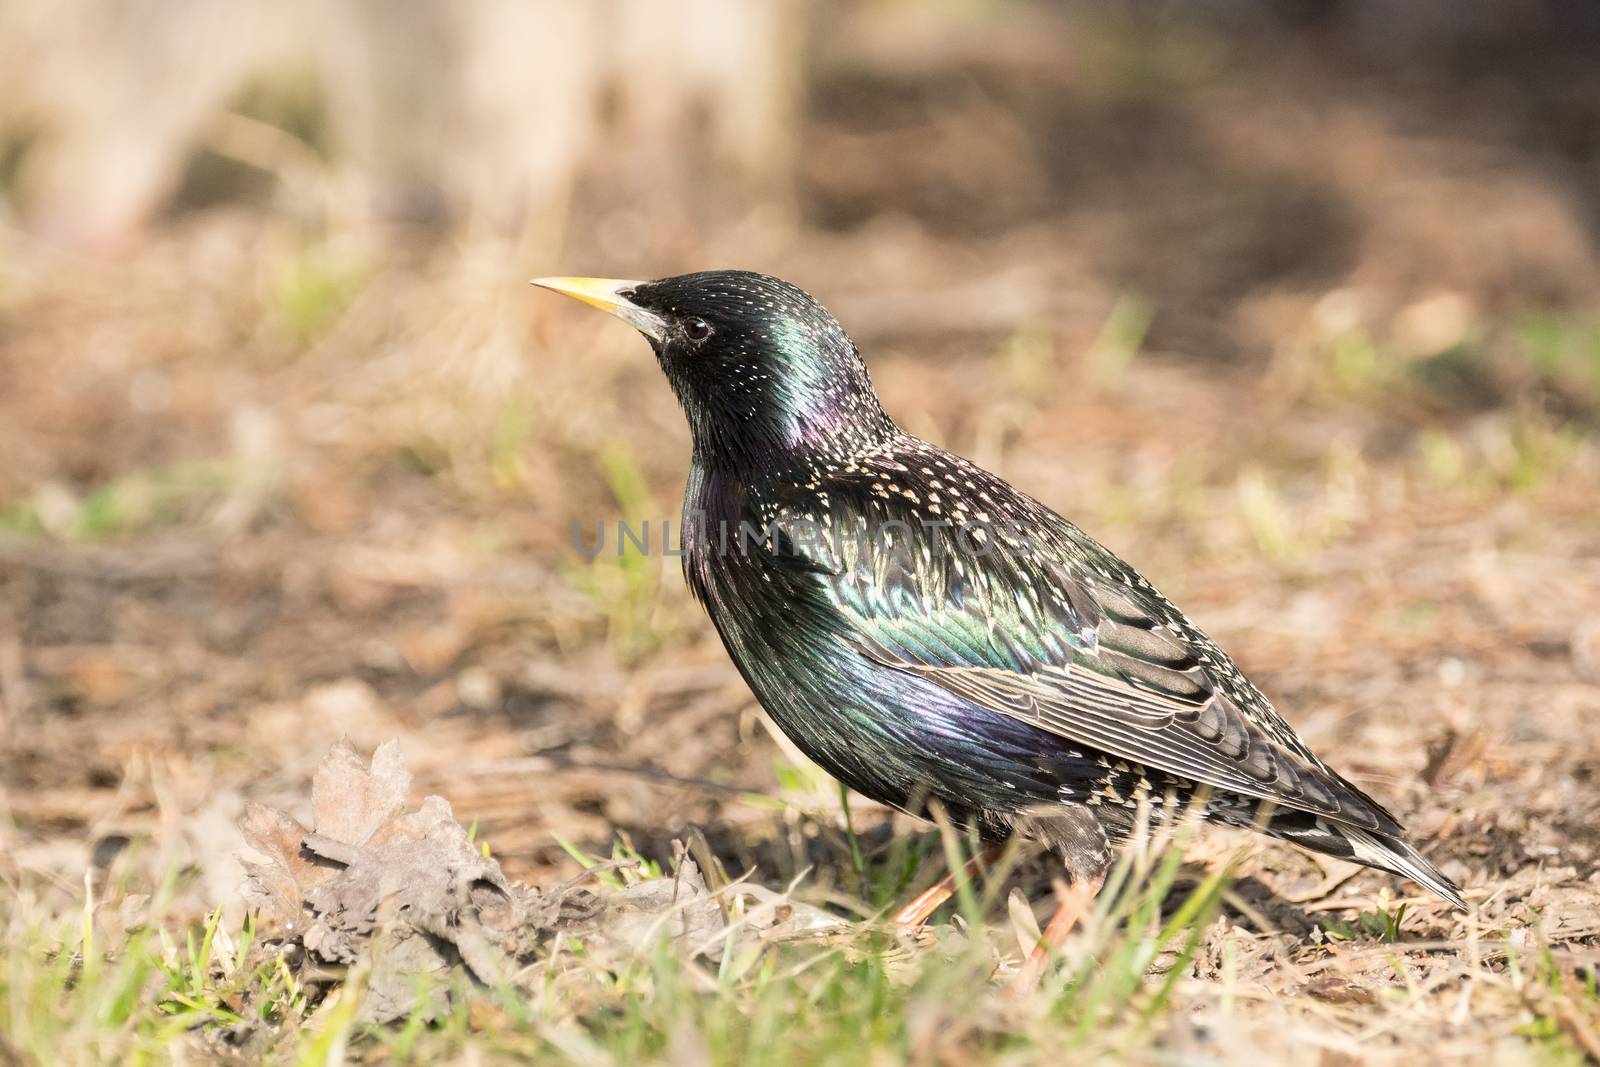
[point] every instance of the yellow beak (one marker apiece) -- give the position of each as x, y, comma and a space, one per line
607, 295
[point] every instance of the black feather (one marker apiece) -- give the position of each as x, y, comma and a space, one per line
925, 631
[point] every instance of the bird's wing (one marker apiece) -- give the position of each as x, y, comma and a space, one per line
1065, 636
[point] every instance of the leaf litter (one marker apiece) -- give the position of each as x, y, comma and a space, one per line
408, 899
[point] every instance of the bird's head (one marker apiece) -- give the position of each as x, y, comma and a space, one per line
762, 370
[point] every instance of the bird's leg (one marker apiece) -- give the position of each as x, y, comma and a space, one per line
927, 902
1074, 901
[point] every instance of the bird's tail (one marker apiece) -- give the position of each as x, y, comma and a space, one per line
1387, 852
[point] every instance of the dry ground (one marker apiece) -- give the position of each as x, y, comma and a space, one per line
267, 486
240, 548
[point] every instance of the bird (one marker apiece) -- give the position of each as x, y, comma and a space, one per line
934, 637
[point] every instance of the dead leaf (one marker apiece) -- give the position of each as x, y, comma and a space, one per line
412, 898
351, 800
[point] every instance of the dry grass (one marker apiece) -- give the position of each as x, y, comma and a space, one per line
366, 534
267, 485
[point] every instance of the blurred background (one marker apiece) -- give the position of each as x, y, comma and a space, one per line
1293, 305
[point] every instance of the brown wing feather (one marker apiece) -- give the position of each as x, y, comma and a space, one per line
1070, 639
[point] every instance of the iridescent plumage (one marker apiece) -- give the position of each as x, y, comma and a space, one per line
924, 631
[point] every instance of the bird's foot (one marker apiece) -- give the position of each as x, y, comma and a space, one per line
1073, 904
921, 908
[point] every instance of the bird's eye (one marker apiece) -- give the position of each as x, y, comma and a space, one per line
696, 329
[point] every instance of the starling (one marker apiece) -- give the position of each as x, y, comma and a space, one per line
929, 634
